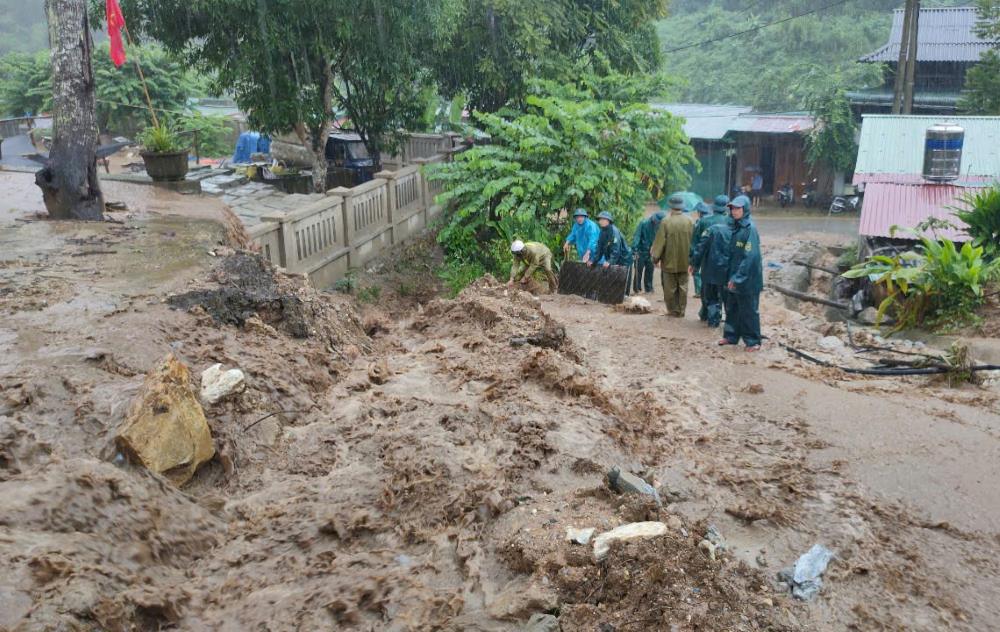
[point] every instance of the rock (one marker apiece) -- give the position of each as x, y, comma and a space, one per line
633, 531
542, 623
378, 372
521, 598
830, 343
674, 523
217, 384
868, 316
165, 430
580, 536
636, 305
625, 483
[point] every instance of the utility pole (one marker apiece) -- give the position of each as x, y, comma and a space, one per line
901, 65
911, 68
69, 183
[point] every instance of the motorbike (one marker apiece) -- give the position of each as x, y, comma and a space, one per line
842, 203
809, 193
786, 195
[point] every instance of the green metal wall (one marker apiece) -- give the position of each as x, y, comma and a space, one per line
712, 179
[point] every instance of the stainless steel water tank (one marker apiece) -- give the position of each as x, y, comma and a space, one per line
943, 152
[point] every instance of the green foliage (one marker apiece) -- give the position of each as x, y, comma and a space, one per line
849, 258
499, 46
369, 294
593, 143
457, 275
214, 133
988, 26
778, 67
982, 216
982, 86
831, 142
940, 286
25, 84
161, 139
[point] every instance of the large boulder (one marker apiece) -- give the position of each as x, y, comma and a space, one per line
165, 429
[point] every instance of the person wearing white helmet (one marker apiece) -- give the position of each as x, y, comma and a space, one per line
530, 256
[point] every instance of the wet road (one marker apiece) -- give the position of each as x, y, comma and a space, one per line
14, 149
801, 225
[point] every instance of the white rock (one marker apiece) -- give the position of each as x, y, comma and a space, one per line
633, 531
217, 384
637, 305
580, 536
830, 343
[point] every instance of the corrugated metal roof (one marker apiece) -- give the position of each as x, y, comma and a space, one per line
895, 144
713, 122
705, 122
888, 204
773, 123
945, 34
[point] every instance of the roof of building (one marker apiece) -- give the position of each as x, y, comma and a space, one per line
894, 145
714, 122
944, 34
889, 204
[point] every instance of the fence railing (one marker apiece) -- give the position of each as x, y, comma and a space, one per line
351, 226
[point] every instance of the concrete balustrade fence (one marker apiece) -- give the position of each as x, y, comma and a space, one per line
350, 227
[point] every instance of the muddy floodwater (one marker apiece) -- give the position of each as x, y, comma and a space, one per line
411, 469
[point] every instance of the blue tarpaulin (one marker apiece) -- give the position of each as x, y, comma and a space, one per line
250, 143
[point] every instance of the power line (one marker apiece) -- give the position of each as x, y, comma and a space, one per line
762, 26
739, 13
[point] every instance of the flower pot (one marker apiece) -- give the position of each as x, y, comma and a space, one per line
165, 166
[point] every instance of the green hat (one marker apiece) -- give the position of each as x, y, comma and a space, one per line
676, 203
721, 203
606, 215
581, 213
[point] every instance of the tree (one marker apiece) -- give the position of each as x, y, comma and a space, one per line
289, 63
498, 46
594, 143
25, 83
982, 82
69, 182
832, 140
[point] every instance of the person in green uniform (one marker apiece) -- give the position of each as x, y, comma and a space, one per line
718, 215
645, 233
530, 256
670, 253
746, 279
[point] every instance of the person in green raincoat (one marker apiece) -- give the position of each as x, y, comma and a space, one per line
746, 279
642, 242
718, 215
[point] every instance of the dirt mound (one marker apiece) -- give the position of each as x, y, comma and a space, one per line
88, 545
666, 583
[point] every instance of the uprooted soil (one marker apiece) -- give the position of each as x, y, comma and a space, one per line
419, 472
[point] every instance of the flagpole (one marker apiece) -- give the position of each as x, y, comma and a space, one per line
142, 78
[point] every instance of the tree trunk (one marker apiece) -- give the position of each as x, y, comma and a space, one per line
69, 182
314, 140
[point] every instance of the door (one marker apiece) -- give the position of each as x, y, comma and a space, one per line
767, 167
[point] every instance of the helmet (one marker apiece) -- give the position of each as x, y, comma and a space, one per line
581, 213
721, 203
676, 203
606, 215
517, 246
701, 207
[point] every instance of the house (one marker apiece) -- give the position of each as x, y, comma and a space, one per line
947, 46
733, 143
890, 165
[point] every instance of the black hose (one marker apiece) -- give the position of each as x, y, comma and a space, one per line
887, 371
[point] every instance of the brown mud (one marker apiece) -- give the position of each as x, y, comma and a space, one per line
416, 471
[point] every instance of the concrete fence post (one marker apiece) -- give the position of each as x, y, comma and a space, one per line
391, 201
287, 257
347, 208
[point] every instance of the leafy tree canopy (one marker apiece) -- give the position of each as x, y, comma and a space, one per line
982, 82
592, 143
498, 46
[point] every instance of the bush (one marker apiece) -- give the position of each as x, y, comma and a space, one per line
593, 143
940, 286
369, 294
214, 134
457, 275
982, 216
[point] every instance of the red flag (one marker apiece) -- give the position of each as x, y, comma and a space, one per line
116, 22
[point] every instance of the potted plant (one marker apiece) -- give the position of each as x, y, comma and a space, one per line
163, 152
